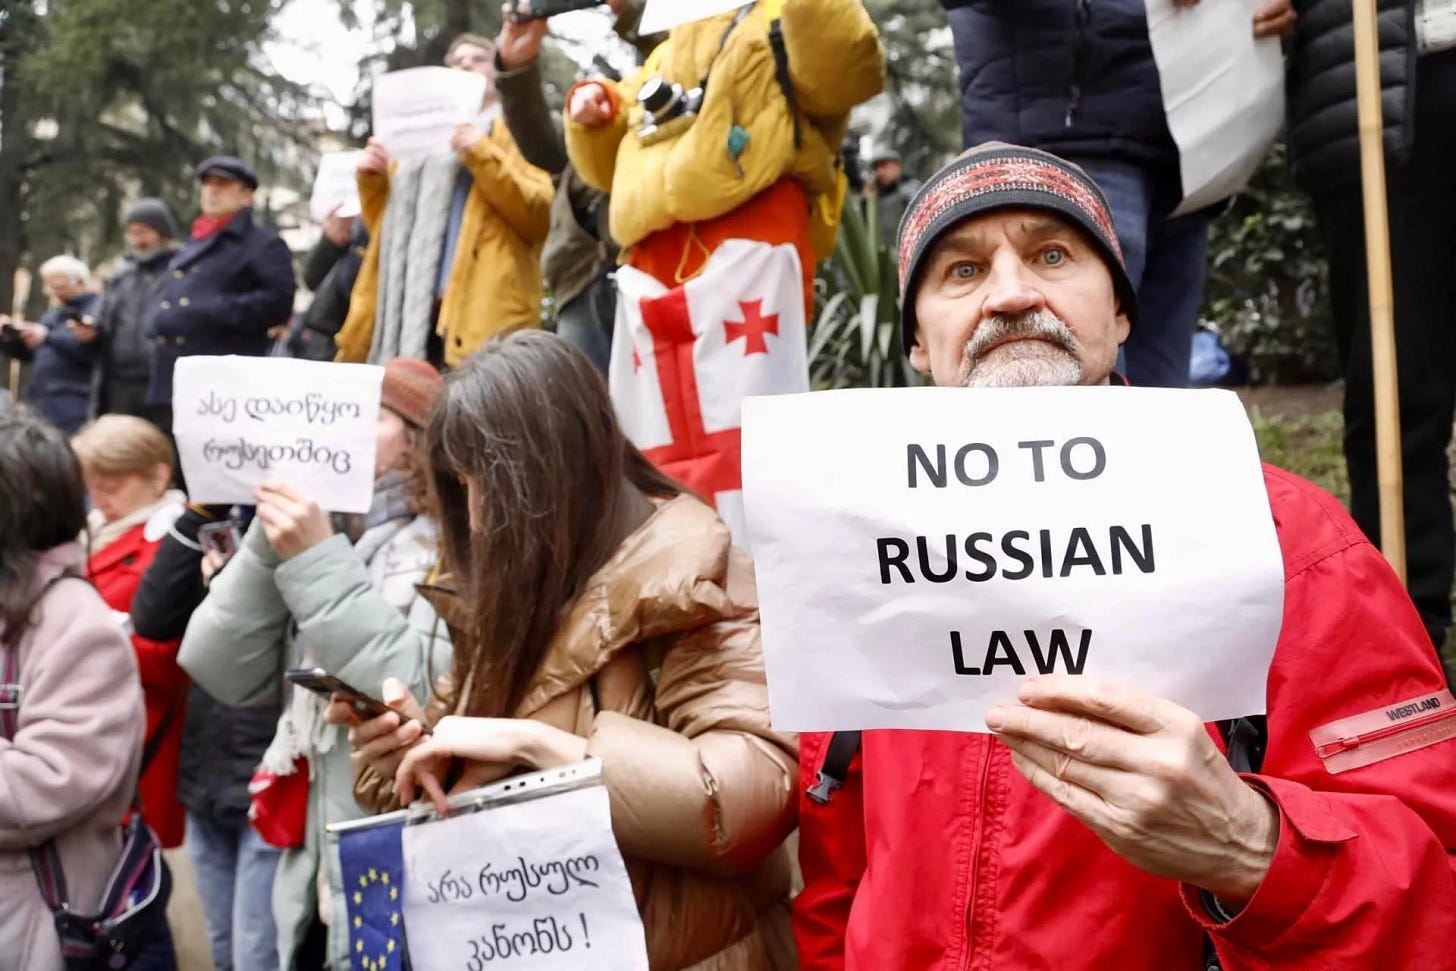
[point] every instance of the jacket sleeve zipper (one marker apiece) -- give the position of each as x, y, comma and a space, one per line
1355, 741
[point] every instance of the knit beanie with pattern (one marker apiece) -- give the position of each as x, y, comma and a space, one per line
994, 176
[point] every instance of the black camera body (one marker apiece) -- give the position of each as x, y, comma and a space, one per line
664, 101
543, 9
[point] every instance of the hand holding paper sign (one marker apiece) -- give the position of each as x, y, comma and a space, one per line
291, 519
464, 138
1144, 775
374, 160
337, 227
1275, 19
496, 746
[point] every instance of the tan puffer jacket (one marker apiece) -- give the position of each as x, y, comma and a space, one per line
702, 790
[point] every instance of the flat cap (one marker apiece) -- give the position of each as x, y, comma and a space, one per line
229, 167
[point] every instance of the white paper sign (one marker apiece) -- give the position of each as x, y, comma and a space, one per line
660, 15
536, 885
240, 420
416, 110
920, 551
335, 185
1223, 91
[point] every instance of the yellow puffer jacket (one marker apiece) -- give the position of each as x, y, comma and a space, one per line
495, 281
835, 62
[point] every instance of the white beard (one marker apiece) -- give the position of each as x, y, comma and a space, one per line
1024, 364
1045, 356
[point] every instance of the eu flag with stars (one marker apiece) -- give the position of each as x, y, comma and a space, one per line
372, 863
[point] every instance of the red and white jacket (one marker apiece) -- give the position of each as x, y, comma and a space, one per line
937, 854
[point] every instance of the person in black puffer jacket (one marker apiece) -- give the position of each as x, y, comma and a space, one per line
330, 271
221, 746
1077, 78
1419, 101
120, 381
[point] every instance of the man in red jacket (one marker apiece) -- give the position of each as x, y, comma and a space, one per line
1101, 826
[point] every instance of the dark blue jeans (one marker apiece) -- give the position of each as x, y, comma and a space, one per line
1167, 261
588, 320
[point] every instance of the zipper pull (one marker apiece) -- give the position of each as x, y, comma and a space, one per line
1338, 746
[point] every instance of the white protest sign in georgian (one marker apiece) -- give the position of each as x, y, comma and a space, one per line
335, 185
534, 885
921, 551
240, 420
416, 110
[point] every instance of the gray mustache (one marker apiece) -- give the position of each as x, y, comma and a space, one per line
1039, 325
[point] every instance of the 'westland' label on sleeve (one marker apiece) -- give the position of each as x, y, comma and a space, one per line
1384, 733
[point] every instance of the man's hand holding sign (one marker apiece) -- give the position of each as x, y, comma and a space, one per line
1145, 776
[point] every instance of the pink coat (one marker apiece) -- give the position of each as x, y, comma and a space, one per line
71, 769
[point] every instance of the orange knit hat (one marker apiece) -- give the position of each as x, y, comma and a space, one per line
410, 389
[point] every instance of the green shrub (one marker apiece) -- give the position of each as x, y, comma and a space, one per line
1267, 295
855, 342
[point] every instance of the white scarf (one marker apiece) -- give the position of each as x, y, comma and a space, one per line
158, 516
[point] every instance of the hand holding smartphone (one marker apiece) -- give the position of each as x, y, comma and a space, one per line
320, 682
222, 538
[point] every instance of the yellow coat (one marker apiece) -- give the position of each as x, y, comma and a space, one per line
835, 62
495, 281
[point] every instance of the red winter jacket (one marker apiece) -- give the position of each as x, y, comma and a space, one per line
117, 572
937, 854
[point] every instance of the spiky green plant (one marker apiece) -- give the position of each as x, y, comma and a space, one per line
855, 342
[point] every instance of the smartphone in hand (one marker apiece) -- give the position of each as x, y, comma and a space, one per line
320, 682
222, 538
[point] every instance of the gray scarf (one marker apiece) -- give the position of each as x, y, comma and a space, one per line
410, 243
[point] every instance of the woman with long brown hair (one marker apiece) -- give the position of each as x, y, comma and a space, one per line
604, 613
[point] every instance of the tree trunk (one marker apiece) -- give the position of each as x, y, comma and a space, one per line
458, 18
15, 147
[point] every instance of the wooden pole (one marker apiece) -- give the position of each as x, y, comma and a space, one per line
1382, 301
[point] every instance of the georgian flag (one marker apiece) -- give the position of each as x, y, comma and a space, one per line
684, 359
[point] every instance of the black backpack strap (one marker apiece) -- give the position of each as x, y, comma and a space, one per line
786, 81
743, 12
834, 769
149, 750
1246, 740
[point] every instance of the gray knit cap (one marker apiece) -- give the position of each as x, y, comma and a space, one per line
154, 213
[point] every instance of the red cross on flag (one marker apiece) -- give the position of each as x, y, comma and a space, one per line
684, 359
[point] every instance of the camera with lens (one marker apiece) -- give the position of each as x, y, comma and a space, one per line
666, 107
